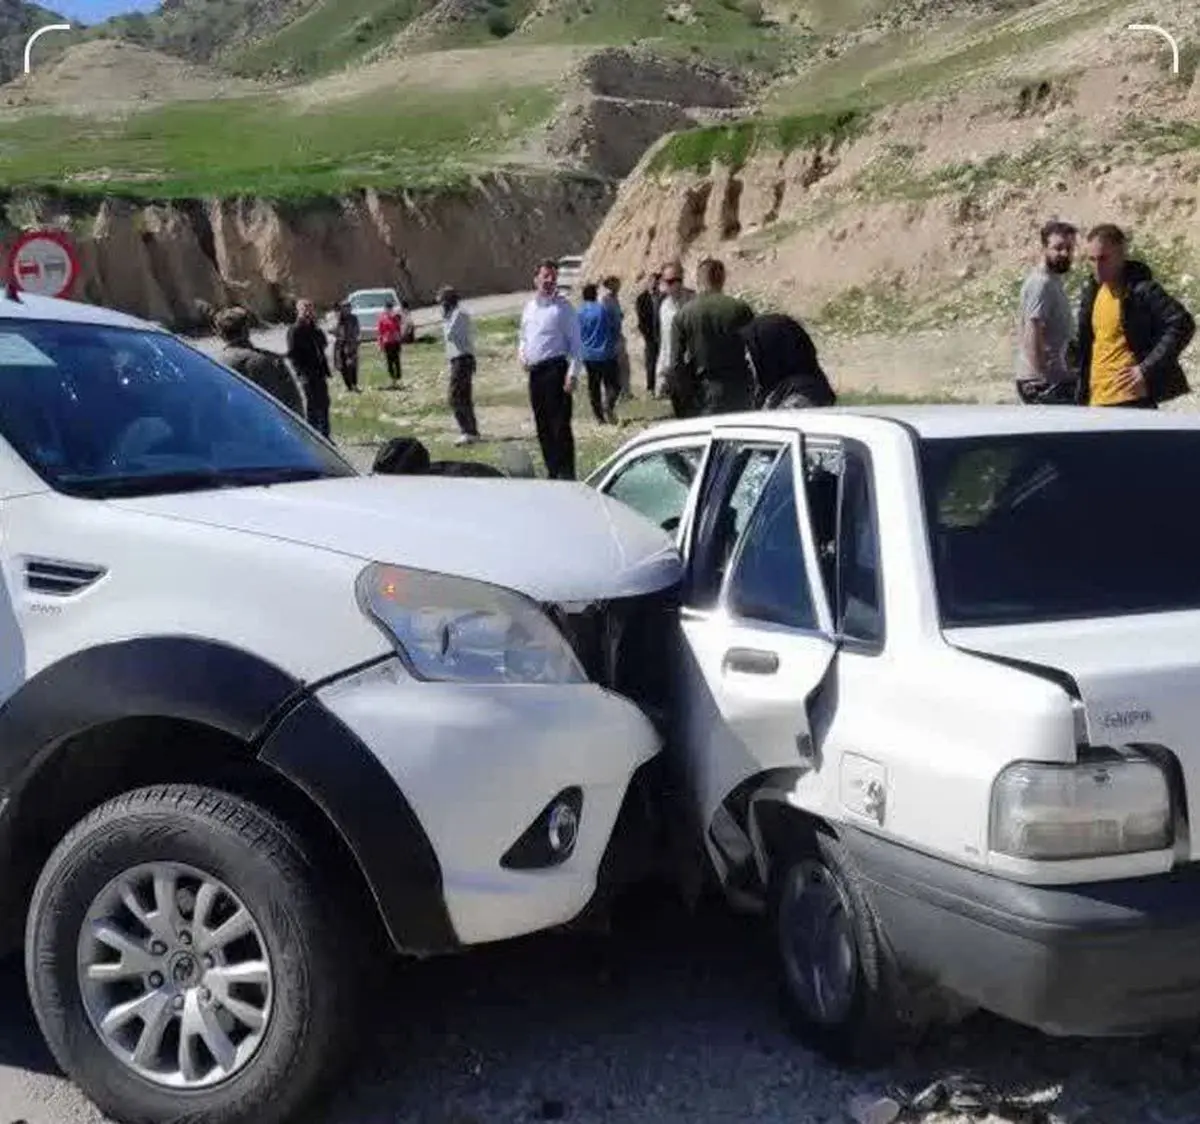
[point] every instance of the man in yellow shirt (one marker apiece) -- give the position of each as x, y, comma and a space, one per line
1131, 330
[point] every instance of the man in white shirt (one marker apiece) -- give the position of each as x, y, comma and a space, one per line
459, 335
675, 296
551, 351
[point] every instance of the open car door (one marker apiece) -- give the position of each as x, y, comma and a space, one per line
756, 629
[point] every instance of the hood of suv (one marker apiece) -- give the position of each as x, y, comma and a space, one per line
551, 540
1138, 677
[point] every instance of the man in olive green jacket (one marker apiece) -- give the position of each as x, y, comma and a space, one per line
264, 368
710, 373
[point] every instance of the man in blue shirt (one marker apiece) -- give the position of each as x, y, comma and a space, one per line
599, 334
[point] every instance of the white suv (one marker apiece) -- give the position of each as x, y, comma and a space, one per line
938, 704
251, 698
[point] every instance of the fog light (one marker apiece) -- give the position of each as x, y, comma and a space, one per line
551, 838
562, 827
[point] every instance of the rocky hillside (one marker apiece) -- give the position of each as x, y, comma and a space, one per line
912, 200
173, 261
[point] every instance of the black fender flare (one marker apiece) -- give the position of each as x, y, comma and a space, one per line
270, 711
316, 751
197, 680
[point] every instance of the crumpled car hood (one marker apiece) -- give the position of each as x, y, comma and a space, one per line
551, 540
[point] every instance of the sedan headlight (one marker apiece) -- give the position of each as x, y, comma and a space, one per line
1080, 811
448, 628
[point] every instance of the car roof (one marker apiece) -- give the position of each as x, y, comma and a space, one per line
943, 421
30, 306
372, 292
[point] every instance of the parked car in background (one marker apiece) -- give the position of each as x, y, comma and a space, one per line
366, 305
937, 705
568, 272
263, 718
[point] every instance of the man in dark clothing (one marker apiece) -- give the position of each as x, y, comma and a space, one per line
346, 339
1131, 330
306, 349
783, 360
646, 307
711, 374
263, 368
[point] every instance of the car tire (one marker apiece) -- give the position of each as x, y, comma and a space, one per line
836, 979
237, 868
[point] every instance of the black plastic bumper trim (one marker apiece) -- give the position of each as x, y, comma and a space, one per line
1105, 958
319, 753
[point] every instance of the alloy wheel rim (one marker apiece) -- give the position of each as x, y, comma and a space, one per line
817, 943
175, 975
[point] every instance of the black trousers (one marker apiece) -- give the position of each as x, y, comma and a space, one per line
462, 404
651, 352
316, 403
604, 387
391, 356
348, 365
552, 415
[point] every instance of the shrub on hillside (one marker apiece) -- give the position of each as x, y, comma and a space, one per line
499, 23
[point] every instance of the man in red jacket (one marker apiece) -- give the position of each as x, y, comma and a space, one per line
390, 331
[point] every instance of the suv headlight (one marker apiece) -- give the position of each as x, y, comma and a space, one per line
448, 628
1080, 811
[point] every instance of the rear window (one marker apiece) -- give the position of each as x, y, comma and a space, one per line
1044, 527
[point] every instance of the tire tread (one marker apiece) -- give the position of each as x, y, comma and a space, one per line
314, 948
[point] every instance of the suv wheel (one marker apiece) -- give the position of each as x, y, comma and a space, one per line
183, 962
836, 980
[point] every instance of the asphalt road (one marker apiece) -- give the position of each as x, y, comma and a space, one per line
668, 1019
274, 338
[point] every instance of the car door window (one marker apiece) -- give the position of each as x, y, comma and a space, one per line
658, 484
768, 582
739, 473
860, 597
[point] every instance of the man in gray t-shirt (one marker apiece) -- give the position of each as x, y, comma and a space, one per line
1046, 324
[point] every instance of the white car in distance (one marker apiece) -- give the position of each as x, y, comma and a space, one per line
937, 708
366, 305
262, 717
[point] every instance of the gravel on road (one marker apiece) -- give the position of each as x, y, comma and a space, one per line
669, 1019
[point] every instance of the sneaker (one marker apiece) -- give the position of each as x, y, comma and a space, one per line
466, 439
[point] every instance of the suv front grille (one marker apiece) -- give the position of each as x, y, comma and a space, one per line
625, 644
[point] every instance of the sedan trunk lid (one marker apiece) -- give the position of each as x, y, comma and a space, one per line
1138, 677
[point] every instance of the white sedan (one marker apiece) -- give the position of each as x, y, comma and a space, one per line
366, 305
937, 705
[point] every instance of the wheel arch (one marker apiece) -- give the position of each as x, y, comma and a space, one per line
769, 824
244, 725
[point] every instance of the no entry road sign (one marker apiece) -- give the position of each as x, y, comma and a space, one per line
43, 262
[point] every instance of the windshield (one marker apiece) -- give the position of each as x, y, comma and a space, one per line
1044, 527
99, 411
366, 302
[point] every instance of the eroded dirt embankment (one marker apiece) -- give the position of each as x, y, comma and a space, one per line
937, 201
172, 262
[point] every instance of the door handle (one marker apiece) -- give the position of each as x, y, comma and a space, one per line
751, 661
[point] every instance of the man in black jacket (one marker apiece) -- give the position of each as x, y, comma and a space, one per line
783, 357
307, 345
1131, 330
646, 306
264, 368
